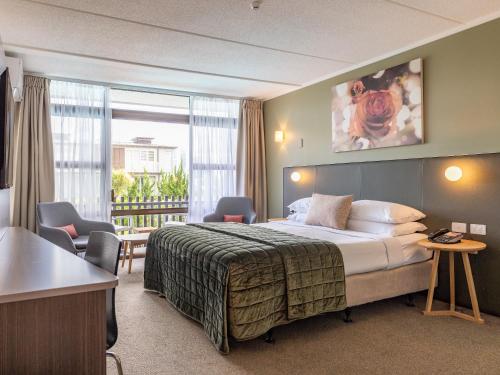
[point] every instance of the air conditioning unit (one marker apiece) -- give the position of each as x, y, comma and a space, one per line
3, 62
15, 66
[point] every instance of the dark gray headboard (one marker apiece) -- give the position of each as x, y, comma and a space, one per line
397, 181
420, 183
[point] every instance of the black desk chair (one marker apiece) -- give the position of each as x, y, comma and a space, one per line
103, 250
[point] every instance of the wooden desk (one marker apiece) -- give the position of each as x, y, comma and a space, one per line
52, 308
465, 247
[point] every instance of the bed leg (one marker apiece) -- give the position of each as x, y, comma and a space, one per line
410, 300
268, 337
347, 315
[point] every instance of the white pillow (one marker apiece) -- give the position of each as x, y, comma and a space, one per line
300, 206
299, 218
384, 212
392, 230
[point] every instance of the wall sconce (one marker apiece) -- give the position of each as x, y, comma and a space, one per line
279, 136
295, 176
453, 173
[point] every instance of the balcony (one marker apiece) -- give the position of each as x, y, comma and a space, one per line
155, 212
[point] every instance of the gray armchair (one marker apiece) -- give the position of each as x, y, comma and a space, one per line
58, 214
233, 206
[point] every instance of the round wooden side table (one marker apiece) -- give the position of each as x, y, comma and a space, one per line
465, 247
130, 242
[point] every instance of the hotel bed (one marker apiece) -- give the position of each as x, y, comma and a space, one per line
362, 252
376, 266
242, 294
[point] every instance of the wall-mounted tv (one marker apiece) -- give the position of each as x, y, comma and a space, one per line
6, 129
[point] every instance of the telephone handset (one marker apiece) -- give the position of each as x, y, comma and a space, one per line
444, 235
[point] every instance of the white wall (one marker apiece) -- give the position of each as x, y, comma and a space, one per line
4, 208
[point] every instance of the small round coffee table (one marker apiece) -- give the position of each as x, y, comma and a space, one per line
465, 247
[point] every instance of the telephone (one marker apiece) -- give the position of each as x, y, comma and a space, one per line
444, 235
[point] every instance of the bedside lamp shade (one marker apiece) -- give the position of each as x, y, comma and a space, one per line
453, 173
295, 176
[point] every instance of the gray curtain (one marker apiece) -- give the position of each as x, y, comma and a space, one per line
251, 157
33, 155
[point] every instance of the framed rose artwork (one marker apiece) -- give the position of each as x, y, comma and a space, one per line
383, 109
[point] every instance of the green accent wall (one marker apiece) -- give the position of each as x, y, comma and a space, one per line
461, 109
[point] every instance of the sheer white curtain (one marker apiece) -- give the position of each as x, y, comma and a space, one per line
80, 129
213, 138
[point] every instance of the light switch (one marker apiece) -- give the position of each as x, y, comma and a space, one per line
478, 229
459, 227
301, 143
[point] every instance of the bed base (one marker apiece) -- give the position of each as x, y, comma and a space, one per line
375, 286
379, 285
346, 314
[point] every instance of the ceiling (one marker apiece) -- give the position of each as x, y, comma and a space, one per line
223, 46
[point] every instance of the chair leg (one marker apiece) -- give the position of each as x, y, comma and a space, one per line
117, 361
130, 256
125, 250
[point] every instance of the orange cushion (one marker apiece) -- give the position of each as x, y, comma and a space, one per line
233, 218
70, 228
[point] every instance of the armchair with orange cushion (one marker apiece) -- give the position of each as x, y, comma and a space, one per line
231, 209
60, 223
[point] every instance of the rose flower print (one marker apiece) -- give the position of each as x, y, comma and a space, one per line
382, 109
375, 114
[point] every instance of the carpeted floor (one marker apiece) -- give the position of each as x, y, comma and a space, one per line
386, 338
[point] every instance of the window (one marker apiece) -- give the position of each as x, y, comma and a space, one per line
147, 155
143, 147
79, 140
214, 128
150, 141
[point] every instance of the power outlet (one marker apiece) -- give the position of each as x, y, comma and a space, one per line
478, 229
459, 227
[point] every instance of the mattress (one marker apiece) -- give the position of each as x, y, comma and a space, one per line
362, 252
242, 280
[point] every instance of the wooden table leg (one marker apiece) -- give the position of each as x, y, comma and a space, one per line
451, 256
130, 257
472, 288
432, 283
125, 248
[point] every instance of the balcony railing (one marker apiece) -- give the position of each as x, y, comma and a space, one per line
148, 212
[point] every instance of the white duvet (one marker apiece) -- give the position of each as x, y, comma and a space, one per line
362, 252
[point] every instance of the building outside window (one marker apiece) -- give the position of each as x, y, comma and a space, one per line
129, 151
149, 138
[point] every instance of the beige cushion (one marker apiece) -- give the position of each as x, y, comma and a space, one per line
329, 210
